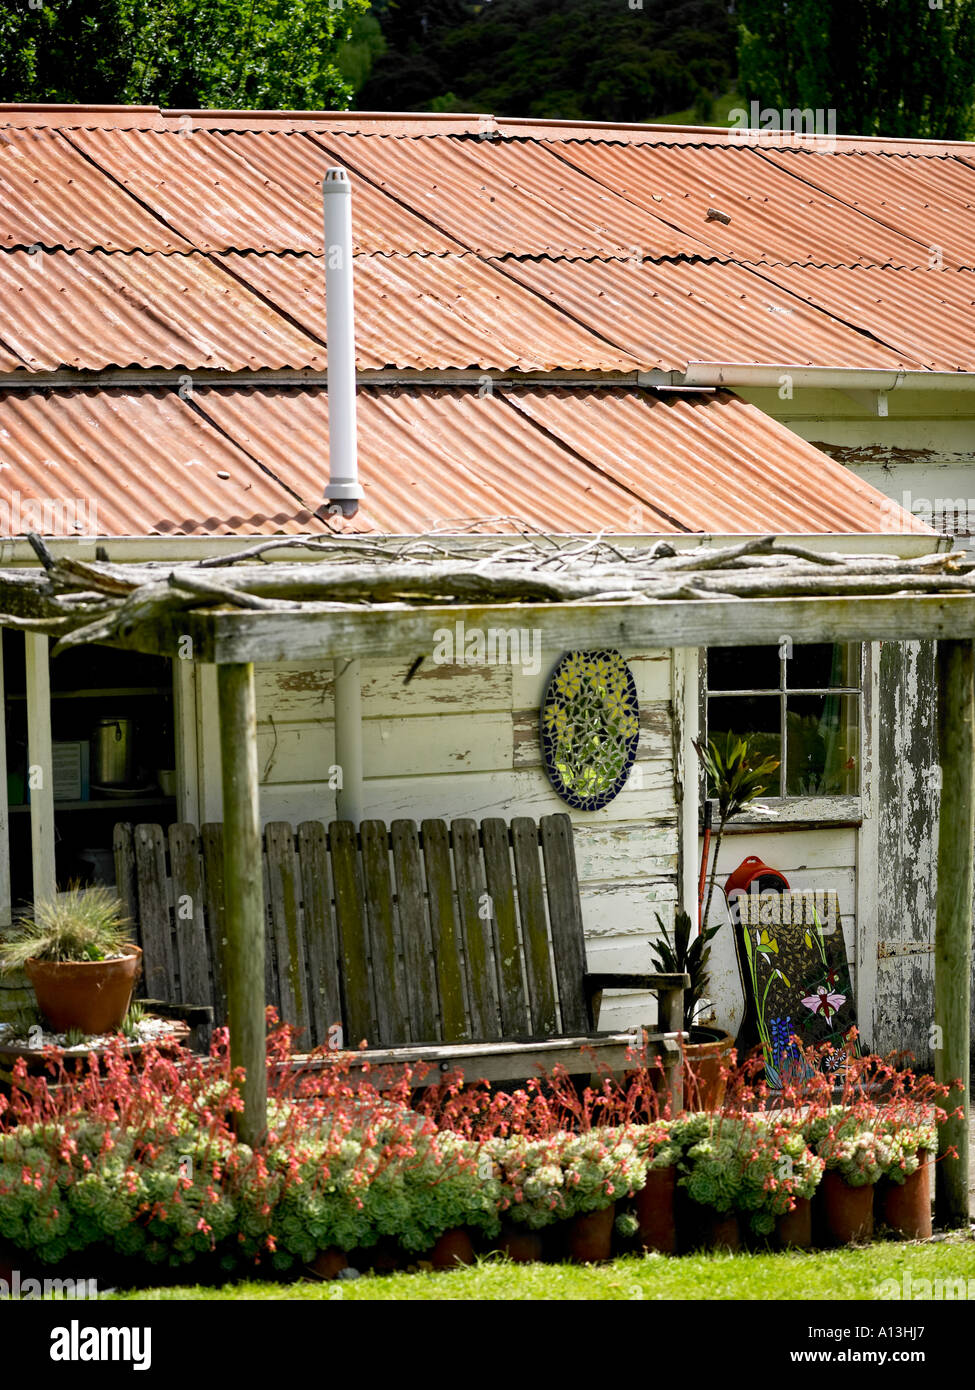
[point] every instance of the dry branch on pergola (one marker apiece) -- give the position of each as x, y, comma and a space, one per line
371, 598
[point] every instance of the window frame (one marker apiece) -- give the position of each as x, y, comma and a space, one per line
795, 810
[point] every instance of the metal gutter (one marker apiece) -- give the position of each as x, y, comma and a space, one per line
732, 374
134, 549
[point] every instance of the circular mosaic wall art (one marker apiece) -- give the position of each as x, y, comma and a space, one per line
590, 728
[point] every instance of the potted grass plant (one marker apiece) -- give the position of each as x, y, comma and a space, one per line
75, 951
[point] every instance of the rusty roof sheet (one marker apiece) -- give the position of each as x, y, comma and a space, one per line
713, 463
927, 317
135, 462
435, 311
50, 195
773, 216
252, 460
669, 314
253, 191
86, 309
507, 197
932, 199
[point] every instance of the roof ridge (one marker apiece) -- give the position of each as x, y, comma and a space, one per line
482, 124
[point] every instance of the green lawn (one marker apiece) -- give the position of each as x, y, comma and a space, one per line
838, 1274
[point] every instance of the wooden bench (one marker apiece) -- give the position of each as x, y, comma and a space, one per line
459, 946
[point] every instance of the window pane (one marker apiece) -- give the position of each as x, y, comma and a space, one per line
823, 743
820, 665
743, 668
755, 716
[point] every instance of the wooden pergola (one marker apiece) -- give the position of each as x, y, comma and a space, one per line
363, 598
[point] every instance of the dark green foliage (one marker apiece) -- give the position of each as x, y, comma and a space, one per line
887, 67
568, 59
677, 952
177, 53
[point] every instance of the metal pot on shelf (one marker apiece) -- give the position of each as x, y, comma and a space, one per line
111, 752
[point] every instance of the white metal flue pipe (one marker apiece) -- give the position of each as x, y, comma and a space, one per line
343, 492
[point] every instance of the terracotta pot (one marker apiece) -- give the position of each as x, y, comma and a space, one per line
703, 1228
90, 995
705, 1059
327, 1264
655, 1212
453, 1248
847, 1212
385, 1257
521, 1245
590, 1236
794, 1228
906, 1206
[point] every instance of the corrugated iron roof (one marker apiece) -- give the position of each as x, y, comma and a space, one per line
933, 200
435, 311
565, 460
713, 463
924, 316
50, 195
86, 309
773, 215
254, 191
676, 312
137, 462
501, 198
484, 244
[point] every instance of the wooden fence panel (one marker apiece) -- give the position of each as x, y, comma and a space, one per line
568, 934
534, 927
285, 904
445, 939
500, 887
421, 978
158, 964
189, 914
476, 931
321, 936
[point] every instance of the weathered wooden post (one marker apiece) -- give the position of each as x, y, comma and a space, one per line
243, 892
953, 933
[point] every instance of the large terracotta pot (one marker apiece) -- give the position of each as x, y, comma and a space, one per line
847, 1212
590, 1236
705, 1059
906, 1206
521, 1244
793, 1229
90, 995
453, 1248
703, 1228
328, 1264
655, 1212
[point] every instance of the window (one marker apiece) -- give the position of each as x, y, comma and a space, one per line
799, 704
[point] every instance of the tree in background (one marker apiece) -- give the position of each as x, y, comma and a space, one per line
178, 53
569, 59
887, 67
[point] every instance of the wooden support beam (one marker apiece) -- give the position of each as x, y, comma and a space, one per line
243, 893
953, 936
40, 769
317, 634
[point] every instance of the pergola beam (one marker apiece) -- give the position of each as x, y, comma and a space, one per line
319, 634
953, 932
